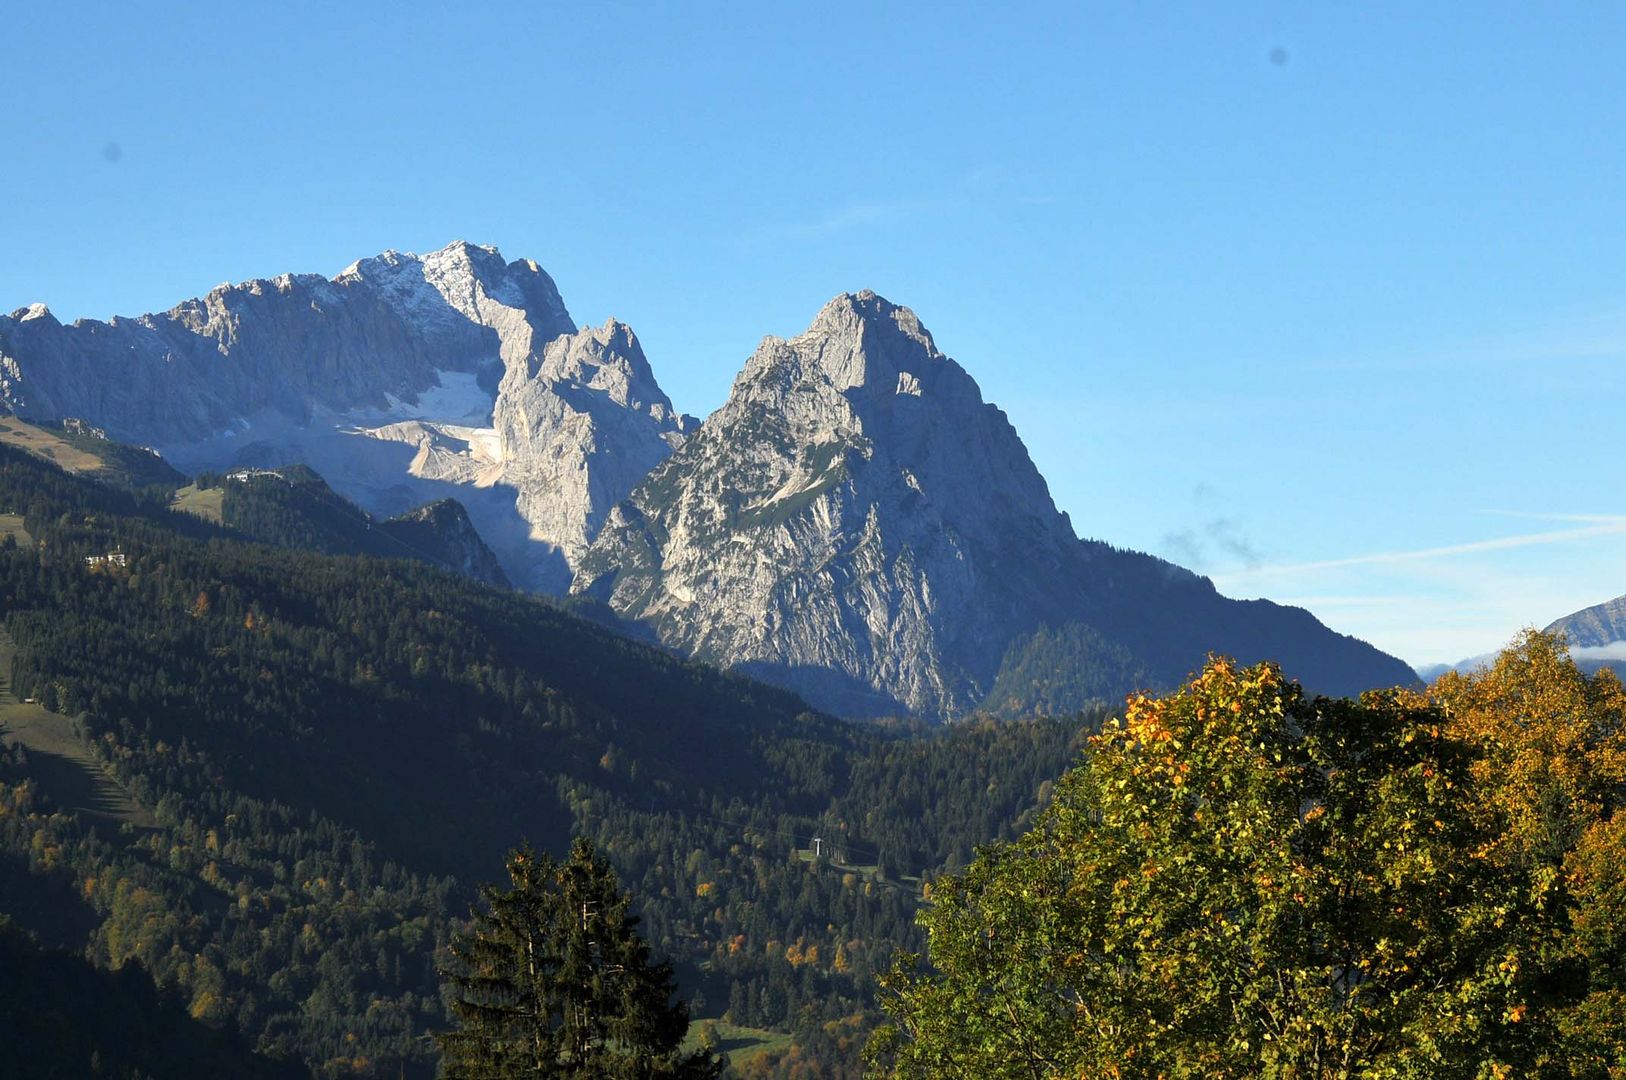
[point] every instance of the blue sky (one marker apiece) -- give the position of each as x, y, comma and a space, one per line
1323, 300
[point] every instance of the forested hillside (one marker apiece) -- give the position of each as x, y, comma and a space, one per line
292, 506
60, 1017
300, 764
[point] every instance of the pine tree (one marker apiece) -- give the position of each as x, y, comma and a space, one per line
552, 979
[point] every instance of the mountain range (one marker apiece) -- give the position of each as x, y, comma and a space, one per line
1596, 637
855, 522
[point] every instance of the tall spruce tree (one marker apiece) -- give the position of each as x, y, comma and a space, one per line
552, 979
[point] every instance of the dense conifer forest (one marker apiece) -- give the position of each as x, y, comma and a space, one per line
59, 1016
314, 758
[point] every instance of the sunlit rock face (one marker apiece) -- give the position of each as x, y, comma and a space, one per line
577, 427
857, 523
389, 379
377, 335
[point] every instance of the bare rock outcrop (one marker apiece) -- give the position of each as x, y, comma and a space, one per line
858, 524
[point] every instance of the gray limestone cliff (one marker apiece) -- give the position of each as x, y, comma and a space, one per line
402, 379
383, 330
578, 426
858, 524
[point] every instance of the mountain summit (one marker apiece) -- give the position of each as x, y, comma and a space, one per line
385, 329
855, 522
403, 379
858, 524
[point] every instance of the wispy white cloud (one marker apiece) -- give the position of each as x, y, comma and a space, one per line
852, 216
1598, 337
981, 185
1600, 526
1531, 515
1446, 602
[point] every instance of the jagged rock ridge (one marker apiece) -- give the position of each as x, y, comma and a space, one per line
403, 379
384, 328
856, 523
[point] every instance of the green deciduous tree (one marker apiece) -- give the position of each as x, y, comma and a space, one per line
551, 979
1241, 881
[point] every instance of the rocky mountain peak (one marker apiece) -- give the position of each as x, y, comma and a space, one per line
854, 312
866, 372
464, 281
857, 523
607, 359
857, 341
259, 354
403, 376
32, 312
832, 525
578, 427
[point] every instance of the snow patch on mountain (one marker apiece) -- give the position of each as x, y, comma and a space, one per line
456, 397
387, 380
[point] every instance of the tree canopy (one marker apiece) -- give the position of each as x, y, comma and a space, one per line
1241, 881
553, 980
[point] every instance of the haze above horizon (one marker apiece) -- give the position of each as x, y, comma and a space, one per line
1326, 304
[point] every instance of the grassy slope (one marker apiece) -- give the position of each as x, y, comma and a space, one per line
50, 446
206, 503
90, 456
59, 759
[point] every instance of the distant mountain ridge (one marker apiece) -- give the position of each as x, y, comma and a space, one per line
385, 378
1594, 627
384, 327
1596, 637
855, 522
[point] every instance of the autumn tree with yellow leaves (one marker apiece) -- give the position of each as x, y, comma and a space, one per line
1243, 881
